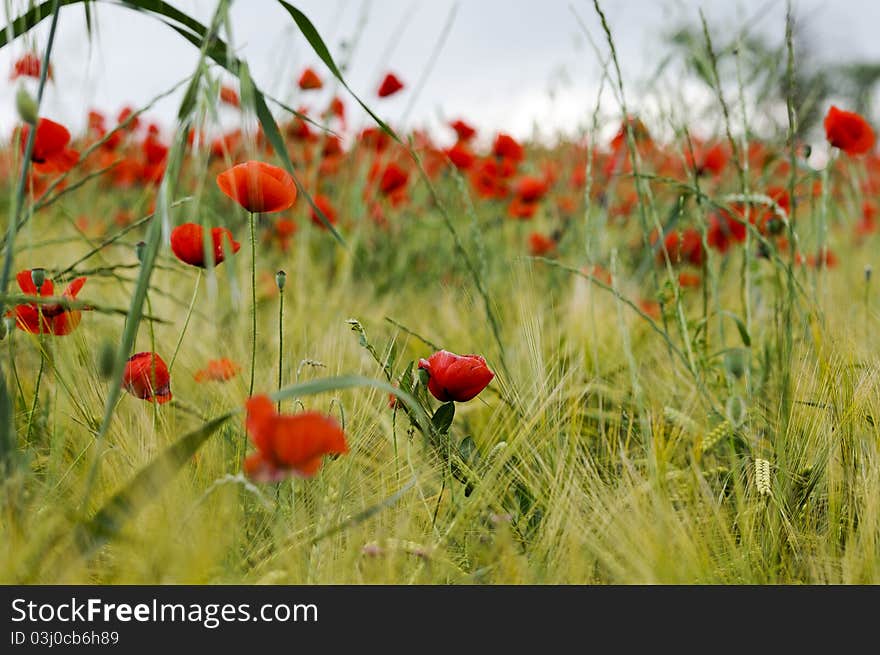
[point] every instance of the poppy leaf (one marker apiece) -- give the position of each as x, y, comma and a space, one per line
741, 327
442, 419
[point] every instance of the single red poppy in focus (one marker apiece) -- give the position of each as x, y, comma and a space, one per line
309, 80
848, 131
217, 370
289, 445
258, 187
187, 243
506, 147
464, 131
146, 377
390, 85
229, 96
50, 151
393, 178
28, 65
326, 207
540, 245
56, 320
456, 377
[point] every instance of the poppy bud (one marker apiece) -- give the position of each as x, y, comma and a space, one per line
455, 377
868, 272
38, 275
281, 279
139, 248
4, 330
26, 107
106, 359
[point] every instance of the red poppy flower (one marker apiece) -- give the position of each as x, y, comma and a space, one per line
329, 211
464, 131
289, 445
540, 245
848, 131
530, 189
337, 108
155, 152
229, 96
723, 232
28, 65
461, 156
124, 115
258, 187
393, 178
456, 377
650, 307
390, 85
488, 179
56, 319
187, 243
688, 280
684, 247
520, 209
50, 151
506, 147
146, 377
217, 370
710, 160
283, 231
309, 80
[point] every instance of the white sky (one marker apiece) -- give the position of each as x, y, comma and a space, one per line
501, 63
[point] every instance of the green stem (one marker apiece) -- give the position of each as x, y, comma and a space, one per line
27, 434
18, 201
280, 339
253, 302
189, 313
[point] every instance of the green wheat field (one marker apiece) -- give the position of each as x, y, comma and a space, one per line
675, 309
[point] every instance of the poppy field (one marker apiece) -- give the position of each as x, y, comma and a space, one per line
316, 348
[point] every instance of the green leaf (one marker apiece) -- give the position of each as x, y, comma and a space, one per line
442, 419
467, 449
320, 48
741, 326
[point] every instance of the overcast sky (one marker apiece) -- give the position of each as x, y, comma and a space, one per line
506, 64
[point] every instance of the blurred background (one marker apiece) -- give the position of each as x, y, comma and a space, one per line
512, 65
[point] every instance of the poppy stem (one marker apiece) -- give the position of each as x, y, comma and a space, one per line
280, 338
27, 434
253, 301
